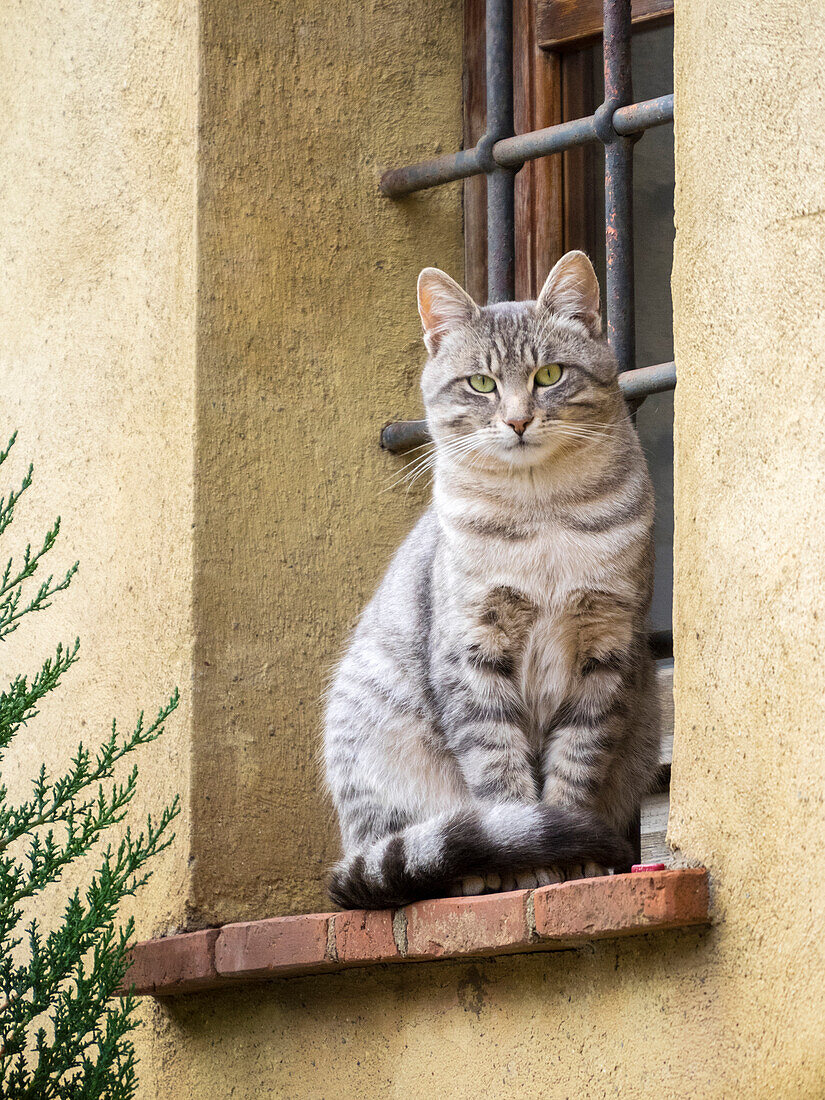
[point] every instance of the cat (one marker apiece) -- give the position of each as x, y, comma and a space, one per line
494, 722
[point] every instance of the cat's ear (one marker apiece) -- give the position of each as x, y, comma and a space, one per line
443, 305
572, 290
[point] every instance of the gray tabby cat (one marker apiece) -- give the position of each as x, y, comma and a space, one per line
494, 722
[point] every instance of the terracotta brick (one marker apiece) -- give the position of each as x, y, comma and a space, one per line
619, 905
176, 964
467, 926
267, 948
574, 912
365, 935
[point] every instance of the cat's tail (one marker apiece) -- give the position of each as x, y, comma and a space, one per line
424, 860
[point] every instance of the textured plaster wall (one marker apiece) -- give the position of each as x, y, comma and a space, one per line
97, 325
308, 342
749, 755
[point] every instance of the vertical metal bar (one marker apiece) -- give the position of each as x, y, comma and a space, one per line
501, 231
618, 186
618, 210
501, 218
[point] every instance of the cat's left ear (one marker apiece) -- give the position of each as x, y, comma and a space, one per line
572, 290
443, 305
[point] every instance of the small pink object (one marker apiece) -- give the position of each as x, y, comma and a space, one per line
647, 867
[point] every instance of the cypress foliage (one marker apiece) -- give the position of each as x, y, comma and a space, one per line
64, 1032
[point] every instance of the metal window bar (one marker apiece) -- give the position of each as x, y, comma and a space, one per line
618, 123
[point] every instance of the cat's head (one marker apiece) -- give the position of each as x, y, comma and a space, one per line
517, 383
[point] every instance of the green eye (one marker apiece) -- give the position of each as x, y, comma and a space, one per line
483, 383
549, 375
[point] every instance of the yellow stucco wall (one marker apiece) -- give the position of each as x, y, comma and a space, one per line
219, 415
308, 342
97, 356
749, 754
736, 1010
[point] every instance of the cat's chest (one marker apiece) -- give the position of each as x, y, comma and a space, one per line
532, 641
527, 602
546, 663
546, 567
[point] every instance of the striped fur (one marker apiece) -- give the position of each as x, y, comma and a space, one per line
494, 718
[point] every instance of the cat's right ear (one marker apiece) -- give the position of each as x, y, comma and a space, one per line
443, 305
572, 290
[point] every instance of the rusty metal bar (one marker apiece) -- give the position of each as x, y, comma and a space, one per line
512, 152
403, 435
501, 216
432, 173
516, 150
501, 236
618, 184
641, 383
638, 117
501, 203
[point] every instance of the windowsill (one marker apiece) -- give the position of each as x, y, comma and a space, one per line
548, 919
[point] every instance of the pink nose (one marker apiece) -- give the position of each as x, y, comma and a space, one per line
518, 426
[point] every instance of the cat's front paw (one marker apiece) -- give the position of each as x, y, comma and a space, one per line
472, 885
492, 883
578, 870
538, 876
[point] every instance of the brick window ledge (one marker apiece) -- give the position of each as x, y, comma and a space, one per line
547, 919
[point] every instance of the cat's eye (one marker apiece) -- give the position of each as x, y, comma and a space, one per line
482, 383
549, 375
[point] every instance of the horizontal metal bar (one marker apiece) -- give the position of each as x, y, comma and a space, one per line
430, 173
404, 435
542, 143
648, 380
644, 115
514, 151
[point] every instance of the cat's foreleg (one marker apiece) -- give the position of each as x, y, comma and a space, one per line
590, 728
580, 747
483, 723
486, 738
582, 742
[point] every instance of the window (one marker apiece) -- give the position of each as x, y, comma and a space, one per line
577, 176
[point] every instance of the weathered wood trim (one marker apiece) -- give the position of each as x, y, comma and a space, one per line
562, 24
537, 81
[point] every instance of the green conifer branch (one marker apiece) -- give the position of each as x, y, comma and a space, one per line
63, 1031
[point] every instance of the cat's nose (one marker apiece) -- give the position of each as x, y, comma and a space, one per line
518, 426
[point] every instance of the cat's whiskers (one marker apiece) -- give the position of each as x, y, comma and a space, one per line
424, 463
477, 443
431, 446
